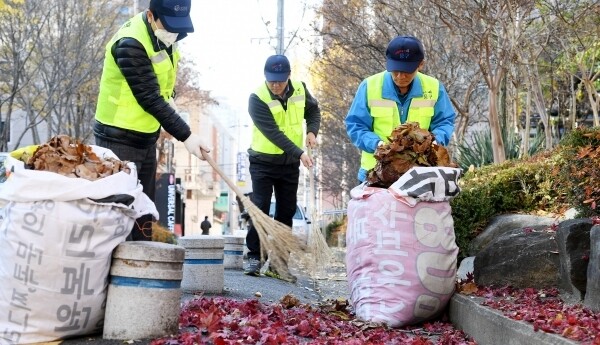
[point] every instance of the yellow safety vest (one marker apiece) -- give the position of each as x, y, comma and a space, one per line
116, 104
385, 112
290, 122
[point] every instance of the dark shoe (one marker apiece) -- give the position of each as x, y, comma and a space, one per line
252, 267
282, 274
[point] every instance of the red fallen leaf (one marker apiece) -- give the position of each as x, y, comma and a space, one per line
527, 230
254, 322
304, 328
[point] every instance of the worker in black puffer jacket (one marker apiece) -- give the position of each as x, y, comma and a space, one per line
136, 93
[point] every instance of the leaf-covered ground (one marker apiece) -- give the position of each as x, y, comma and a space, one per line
220, 321
543, 309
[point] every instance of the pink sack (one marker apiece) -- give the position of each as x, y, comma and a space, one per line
400, 260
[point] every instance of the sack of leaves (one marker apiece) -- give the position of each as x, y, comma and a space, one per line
71, 158
58, 235
408, 146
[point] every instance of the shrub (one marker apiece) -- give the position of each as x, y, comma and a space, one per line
578, 174
514, 186
549, 182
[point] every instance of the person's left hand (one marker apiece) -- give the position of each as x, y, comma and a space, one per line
306, 160
311, 140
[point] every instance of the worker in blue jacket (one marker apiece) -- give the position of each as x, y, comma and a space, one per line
398, 95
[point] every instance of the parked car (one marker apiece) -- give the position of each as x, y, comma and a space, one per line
300, 226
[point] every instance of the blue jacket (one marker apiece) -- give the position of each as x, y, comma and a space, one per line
359, 123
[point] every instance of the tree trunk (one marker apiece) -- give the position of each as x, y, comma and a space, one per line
573, 105
538, 101
497, 143
594, 99
527, 122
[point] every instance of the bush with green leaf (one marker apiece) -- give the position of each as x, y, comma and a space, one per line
578, 173
547, 183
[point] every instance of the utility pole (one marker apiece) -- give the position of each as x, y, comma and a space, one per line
280, 35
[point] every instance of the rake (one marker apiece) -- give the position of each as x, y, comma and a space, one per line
276, 238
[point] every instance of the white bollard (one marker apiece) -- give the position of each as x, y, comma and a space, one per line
242, 233
144, 293
234, 252
203, 266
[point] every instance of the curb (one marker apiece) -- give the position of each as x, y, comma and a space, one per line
490, 327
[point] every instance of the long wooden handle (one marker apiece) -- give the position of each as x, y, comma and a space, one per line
311, 185
230, 183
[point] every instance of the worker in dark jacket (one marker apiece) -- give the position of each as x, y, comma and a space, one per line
279, 107
136, 93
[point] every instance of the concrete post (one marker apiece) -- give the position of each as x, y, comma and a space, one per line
234, 252
203, 266
144, 293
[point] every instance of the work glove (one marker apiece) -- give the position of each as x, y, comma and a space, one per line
194, 144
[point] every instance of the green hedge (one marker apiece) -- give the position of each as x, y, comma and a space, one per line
550, 182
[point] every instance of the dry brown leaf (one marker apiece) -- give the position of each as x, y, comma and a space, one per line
468, 288
68, 157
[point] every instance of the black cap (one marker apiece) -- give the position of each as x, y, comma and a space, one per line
404, 54
277, 68
173, 14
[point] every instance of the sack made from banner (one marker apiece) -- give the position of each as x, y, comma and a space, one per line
401, 252
56, 242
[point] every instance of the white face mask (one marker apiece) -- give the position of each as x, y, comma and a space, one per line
166, 37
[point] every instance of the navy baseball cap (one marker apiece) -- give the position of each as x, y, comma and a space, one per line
404, 54
277, 68
173, 14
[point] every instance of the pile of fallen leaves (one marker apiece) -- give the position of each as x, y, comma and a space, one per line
542, 308
408, 146
226, 321
71, 158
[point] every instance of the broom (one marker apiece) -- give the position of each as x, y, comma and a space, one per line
317, 245
275, 237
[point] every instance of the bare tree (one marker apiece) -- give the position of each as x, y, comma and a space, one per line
20, 37
579, 24
489, 32
188, 86
64, 48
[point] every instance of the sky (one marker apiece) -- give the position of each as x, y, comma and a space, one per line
231, 42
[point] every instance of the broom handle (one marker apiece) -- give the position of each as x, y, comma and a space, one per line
311, 185
230, 183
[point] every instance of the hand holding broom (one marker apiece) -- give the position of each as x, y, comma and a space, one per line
276, 238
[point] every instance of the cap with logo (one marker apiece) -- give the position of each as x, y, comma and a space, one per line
173, 14
277, 68
404, 54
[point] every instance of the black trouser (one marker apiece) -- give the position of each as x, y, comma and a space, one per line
145, 162
266, 179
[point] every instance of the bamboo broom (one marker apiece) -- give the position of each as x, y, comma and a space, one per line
276, 238
317, 245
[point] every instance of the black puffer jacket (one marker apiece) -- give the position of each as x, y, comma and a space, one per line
134, 63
